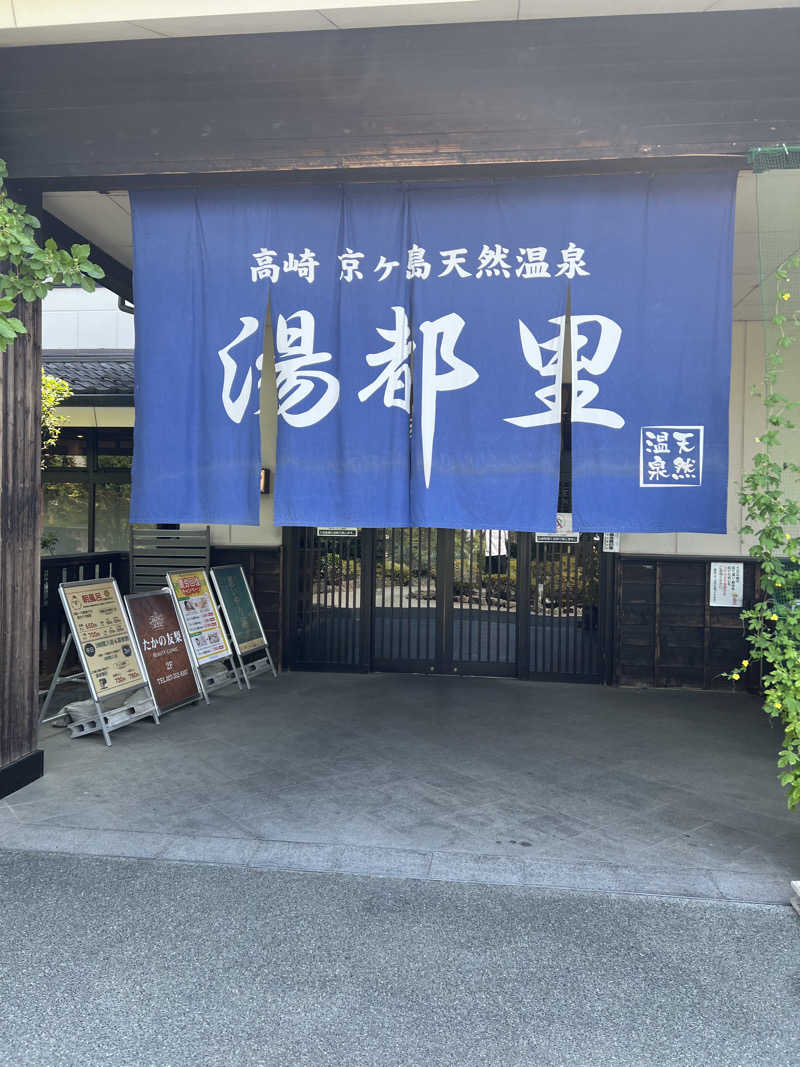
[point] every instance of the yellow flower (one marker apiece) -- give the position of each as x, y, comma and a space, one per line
788, 537
786, 296
779, 584
735, 676
773, 617
758, 440
745, 662
777, 705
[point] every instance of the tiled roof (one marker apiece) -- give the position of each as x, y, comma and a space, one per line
97, 373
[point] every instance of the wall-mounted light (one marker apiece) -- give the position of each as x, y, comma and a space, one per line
264, 484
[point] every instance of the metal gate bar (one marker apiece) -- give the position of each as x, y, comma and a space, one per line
453, 601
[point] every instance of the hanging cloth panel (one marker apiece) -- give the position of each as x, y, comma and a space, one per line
460, 290
487, 408
651, 349
199, 344
342, 357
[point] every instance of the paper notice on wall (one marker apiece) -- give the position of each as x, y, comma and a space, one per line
726, 585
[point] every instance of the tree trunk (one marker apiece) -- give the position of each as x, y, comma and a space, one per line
20, 451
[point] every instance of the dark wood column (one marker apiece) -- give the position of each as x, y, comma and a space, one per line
20, 450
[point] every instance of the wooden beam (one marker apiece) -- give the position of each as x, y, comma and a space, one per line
634, 88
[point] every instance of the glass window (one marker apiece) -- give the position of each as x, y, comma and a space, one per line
70, 452
112, 502
65, 517
114, 450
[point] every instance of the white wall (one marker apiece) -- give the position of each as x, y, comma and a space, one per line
74, 319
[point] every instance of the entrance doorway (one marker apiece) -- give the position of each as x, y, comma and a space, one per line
490, 602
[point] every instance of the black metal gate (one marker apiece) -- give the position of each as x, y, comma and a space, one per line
449, 601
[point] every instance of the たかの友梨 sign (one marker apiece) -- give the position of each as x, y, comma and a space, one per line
101, 632
200, 617
240, 611
165, 656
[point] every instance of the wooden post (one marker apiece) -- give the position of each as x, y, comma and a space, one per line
20, 457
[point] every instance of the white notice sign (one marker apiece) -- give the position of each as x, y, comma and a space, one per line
726, 585
611, 542
563, 535
337, 531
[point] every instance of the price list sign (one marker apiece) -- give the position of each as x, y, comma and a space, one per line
165, 656
101, 632
200, 617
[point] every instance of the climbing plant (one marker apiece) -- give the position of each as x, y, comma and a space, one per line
769, 493
29, 270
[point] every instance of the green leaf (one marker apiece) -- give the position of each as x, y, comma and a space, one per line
81, 252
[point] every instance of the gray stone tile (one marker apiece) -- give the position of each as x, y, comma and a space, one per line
656, 825
195, 849
89, 842
384, 862
760, 887
779, 855
612, 878
556, 825
463, 867
113, 816
205, 821
292, 855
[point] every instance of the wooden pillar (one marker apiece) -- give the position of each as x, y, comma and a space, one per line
20, 452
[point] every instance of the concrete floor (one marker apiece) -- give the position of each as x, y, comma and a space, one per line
133, 963
455, 779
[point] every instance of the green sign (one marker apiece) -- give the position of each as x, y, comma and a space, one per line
240, 611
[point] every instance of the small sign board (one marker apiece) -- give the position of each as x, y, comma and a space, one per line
611, 542
200, 618
162, 648
240, 613
102, 636
726, 585
557, 539
563, 533
337, 531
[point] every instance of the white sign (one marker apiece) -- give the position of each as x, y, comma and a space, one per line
337, 531
611, 542
557, 539
726, 585
563, 534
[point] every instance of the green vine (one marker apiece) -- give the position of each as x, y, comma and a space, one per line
770, 497
28, 270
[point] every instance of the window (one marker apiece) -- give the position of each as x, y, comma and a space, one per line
86, 492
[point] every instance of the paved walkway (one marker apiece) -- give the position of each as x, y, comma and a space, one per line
153, 964
452, 779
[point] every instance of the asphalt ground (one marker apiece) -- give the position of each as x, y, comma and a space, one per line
131, 963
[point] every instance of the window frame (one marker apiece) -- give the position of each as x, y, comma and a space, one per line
90, 475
